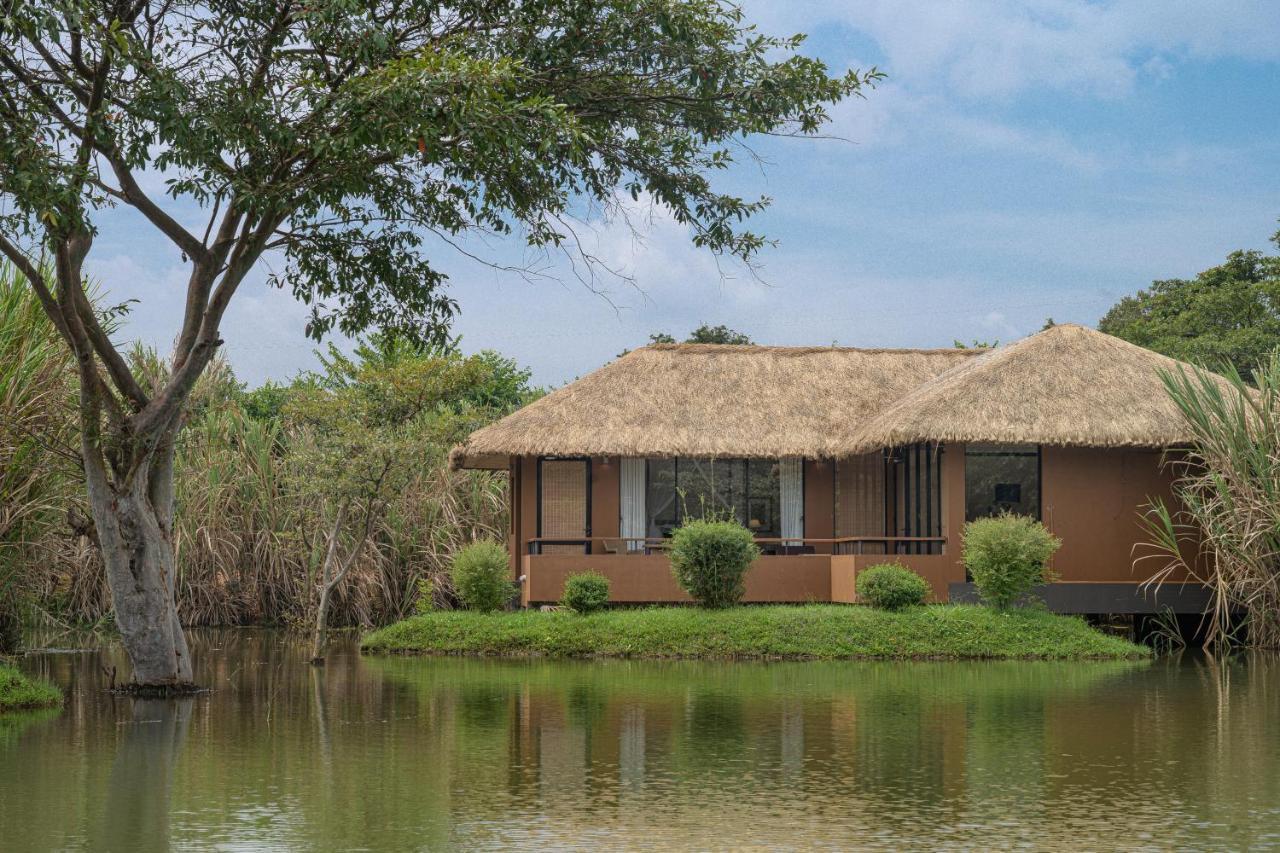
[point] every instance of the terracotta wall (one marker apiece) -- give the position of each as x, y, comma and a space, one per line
525, 501
952, 506
605, 495
844, 572
637, 578
940, 570
1091, 499
819, 501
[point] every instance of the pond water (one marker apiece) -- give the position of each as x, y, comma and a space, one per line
422, 753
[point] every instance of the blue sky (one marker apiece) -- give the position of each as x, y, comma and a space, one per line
1022, 160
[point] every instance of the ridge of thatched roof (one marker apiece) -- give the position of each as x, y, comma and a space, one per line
1066, 385
711, 400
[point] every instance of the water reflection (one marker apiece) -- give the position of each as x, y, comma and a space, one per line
136, 806
422, 753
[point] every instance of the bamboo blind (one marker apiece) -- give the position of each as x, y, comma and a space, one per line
564, 503
860, 496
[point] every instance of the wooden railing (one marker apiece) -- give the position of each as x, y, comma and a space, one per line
769, 545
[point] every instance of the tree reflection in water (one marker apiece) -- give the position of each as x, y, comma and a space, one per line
425, 753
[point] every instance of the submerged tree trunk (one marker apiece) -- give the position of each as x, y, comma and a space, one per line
333, 572
133, 518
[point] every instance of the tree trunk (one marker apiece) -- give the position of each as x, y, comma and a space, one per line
327, 582
322, 627
134, 525
333, 574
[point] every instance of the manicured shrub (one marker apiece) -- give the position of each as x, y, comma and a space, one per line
481, 576
890, 586
586, 592
1007, 555
710, 560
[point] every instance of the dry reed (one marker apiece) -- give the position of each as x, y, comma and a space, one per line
1225, 530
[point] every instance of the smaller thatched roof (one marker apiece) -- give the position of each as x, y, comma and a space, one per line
711, 400
1067, 385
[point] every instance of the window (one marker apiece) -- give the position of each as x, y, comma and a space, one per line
564, 503
1001, 478
747, 490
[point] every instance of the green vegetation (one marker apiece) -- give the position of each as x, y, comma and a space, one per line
259, 477
1226, 532
36, 440
1228, 314
18, 692
586, 592
481, 576
704, 334
890, 586
710, 559
1007, 555
335, 139
806, 631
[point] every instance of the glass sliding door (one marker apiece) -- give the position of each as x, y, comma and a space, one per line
744, 490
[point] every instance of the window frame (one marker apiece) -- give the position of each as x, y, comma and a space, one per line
745, 472
589, 477
1036, 450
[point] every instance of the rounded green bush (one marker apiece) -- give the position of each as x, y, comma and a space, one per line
1007, 555
481, 576
710, 560
586, 592
890, 586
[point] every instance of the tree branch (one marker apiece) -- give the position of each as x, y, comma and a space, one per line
133, 194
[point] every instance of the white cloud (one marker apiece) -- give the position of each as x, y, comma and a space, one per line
999, 48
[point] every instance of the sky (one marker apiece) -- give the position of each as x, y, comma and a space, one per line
1020, 161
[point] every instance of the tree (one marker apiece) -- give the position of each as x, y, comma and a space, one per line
704, 334
362, 429
335, 138
1227, 314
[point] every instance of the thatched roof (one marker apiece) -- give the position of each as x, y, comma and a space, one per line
1067, 385
711, 400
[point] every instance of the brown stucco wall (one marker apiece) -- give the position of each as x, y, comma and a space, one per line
844, 572
819, 501
1091, 500
635, 578
940, 570
513, 515
605, 513
527, 499
952, 508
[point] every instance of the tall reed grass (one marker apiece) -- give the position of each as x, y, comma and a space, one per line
36, 440
245, 532
1225, 533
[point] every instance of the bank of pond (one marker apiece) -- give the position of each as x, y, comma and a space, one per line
784, 632
20, 692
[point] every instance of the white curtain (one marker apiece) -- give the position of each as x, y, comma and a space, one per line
631, 502
791, 488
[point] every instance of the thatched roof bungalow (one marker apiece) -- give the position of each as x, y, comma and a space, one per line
838, 457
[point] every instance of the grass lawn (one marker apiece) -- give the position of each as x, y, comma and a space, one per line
813, 631
18, 692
